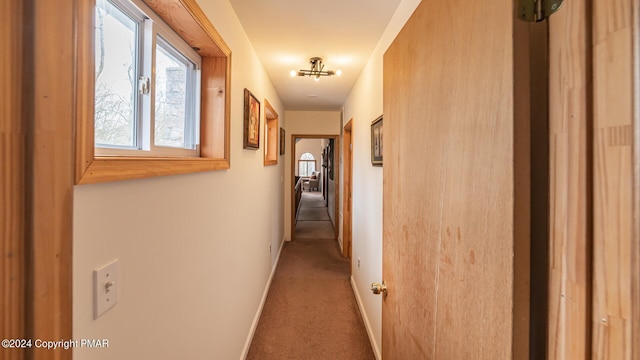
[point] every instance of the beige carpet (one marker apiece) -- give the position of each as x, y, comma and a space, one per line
310, 311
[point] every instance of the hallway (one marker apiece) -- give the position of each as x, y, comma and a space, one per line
311, 312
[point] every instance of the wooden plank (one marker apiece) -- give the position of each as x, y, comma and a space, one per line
635, 251
612, 175
50, 147
85, 96
215, 114
187, 19
570, 196
13, 177
449, 185
522, 196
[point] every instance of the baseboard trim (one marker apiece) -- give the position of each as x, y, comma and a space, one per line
256, 318
365, 319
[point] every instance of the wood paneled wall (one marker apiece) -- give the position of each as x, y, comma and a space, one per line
612, 49
570, 199
593, 284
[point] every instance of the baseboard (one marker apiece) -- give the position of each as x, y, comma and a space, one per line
365, 319
256, 318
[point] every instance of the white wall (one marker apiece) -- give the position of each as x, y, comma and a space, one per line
193, 249
364, 105
304, 123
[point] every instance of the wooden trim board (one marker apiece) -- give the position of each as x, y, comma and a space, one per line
13, 182
51, 100
570, 197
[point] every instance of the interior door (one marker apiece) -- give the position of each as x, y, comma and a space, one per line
455, 218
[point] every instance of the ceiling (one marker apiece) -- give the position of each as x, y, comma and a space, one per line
287, 33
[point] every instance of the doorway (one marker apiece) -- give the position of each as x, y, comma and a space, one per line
325, 165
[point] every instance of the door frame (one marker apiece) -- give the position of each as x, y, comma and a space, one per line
336, 177
38, 130
13, 186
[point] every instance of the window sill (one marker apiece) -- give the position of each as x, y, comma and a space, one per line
106, 169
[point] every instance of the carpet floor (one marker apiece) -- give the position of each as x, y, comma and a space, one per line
310, 311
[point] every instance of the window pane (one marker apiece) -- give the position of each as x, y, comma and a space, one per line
172, 126
306, 167
115, 95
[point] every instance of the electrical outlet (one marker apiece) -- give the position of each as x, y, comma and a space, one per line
105, 288
269, 248
358, 262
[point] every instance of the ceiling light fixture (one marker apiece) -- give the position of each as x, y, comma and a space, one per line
317, 70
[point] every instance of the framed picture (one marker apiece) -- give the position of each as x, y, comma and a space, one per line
251, 121
282, 141
376, 142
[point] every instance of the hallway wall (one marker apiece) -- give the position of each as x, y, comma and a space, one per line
194, 250
364, 105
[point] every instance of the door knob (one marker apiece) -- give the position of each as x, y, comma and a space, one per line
378, 288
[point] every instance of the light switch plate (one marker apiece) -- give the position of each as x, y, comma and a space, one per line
105, 288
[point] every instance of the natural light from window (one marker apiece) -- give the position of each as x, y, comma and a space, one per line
115, 100
137, 113
306, 164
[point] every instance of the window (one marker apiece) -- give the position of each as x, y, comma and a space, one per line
138, 109
306, 164
271, 134
131, 124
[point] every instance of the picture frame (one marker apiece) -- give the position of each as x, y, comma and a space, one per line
376, 142
282, 141
251, 121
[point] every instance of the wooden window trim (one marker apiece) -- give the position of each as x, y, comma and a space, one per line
271, 135
187, 19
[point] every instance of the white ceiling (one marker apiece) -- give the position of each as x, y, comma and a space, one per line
286, 33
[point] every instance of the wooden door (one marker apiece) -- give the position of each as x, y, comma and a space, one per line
455, 218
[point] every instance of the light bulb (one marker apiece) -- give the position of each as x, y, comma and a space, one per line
293, 73
338, 72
